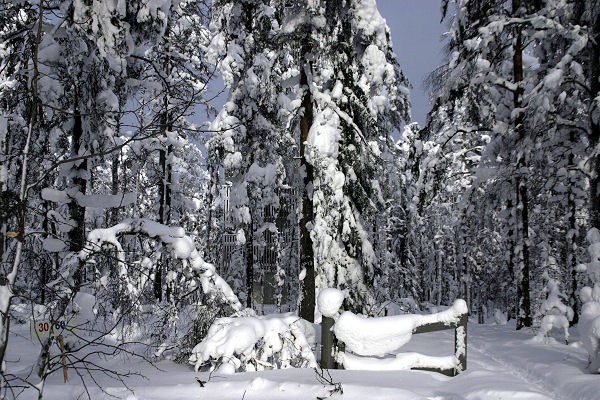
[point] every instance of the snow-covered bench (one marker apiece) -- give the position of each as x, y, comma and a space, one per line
370, 339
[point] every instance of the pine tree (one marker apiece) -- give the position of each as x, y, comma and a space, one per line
508, 81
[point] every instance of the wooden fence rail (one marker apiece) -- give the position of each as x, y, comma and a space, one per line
329, 343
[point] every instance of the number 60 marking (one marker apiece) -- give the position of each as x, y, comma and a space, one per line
45, 326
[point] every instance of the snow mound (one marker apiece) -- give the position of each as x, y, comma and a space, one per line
500, 318
556, 313
254, 343
85, 305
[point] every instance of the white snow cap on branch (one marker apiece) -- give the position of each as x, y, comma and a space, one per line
90, 200
182, 247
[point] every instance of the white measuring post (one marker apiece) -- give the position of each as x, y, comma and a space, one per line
42, 329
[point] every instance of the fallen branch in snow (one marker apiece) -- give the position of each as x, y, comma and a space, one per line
335, 387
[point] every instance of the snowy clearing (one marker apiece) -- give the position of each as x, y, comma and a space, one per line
502, 364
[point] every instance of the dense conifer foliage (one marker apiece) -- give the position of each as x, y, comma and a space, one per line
124, 182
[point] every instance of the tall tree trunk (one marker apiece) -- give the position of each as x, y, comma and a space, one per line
511, 258
464, 263
164, 190
249, 254
307, 258
523, 295
571, 259
76, 212
47, 263
594, 136
114, 174
439, 276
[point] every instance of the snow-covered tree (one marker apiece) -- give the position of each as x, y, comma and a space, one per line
250, 135
508, 96
355, 95
329, 73
589, 320
553, 310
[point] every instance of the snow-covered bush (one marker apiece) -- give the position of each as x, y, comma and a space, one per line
179, 245
500, 318
555, 313
188, 328
254, 343
589, 320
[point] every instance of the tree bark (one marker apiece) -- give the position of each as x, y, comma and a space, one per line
594, 135
249, 233
307, 259
164, 187
523, 295
76, 212
571, 259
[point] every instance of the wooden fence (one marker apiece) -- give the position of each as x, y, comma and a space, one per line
329, 343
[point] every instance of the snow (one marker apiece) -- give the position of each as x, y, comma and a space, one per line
266, 175
384, 335
402, 361
555, 313
53, 245
106, 200
54, 195
330, 301
500, 318
502, 366
251, 342
553, 79
85, 305
91, 200
370, 21
324, 135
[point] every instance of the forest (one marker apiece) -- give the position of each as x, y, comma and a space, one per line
134, 199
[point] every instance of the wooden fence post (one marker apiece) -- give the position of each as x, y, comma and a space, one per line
460, 343
62, 354
327, 360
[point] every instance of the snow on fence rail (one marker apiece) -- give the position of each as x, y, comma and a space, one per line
368, 339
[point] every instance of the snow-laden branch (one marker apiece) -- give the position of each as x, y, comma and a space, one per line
180, 245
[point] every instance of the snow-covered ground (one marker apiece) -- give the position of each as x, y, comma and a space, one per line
502, 364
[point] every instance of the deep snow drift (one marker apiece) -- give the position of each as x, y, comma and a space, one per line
502, 364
